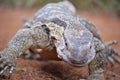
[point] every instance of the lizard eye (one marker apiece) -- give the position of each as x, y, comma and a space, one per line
66, 44
90, 47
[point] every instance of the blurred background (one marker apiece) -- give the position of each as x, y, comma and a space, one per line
104, 14
109, 6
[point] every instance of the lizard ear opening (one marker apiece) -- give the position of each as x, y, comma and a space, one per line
45, 28
43, 25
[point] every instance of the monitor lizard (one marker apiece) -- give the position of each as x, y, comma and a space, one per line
56, 26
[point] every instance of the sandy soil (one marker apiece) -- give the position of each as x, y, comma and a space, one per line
12, 19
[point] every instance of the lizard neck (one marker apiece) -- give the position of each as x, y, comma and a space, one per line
56, 31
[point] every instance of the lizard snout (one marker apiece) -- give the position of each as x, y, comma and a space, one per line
77, 55
80, 55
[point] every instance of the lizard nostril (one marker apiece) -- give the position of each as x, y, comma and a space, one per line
47, 30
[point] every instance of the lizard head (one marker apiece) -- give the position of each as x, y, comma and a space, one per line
77, 50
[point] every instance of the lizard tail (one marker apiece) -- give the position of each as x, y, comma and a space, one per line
112, 55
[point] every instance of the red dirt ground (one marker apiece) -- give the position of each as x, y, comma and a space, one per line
11, 21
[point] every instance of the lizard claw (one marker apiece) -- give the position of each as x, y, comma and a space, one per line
11, 68
10, 72
3, 70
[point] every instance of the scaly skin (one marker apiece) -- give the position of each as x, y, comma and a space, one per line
76, 40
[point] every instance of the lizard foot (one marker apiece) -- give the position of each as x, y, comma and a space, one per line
111, 54
7, 61
11, 68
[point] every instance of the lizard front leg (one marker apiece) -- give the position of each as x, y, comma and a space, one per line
97, 66
18, 44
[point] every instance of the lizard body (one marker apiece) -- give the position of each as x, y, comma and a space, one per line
76, 40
